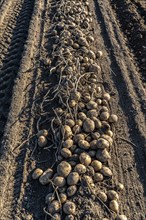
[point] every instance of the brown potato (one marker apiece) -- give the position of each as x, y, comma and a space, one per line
63, 197
78, 137
106, 171
37, 173
102, 196
104, 116
113, 118
71, 190
91, 105
66, 153
68, 143
114, 206
46, 176
103, 155
69, 217
64, 169
56, 216
107, 96
82, 116
102, 143
80, 168
84, 144
69, 208
112, 195
66, 132
54, 207
88, 125
59, 181
42, 132
85, 159
70, 122
92, 113
49, 198
97, 165
42, 141
98, 177
73, 178
121, 217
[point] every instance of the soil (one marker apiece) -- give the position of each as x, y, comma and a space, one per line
25, 45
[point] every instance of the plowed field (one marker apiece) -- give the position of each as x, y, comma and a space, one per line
33, 86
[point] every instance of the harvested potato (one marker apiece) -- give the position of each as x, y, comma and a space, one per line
106, 171
66, 132
103, 155
79, 122
78, 137
91, 105
95, 135
54, 207
71, 190
69, 208
68, 143
108, 138
88, 179
120, 186
92, 113
102, 196
109, 133
112, 195
69, 217
92, 153
42, 141
37, 173
84, 144
56, 216
113, 118
76, 129
80, 168
49, 198
98, 177
82, 116
85, 159
46, 176
59, 181
114, 206
94, 144
63, 197
66, 153
72, 103
107, 96
97, 165
121, 217
73, 178
104, 116
97, 123
70, 122
99, 53
64, 169
88, 125
42, 132
102, 143
75, 95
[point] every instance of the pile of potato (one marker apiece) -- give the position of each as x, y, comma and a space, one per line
83, 121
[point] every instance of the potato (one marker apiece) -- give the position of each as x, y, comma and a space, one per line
73, 178
62, 189
46, 176
72, 103
82, 116
66, 132
85, 159
104, 116
107, 96
103, 155
54, 207
42, 141
68, 143
94, 144
92, 153
97, 165
113, 118
37, 173
69, 217
64, 169
120, 186
114, 206
66, 153
69, 208
98, 177
106, 171
92, 113
95, 68
99, 54
102, 143
108, 138
97, 122
102, 196
79, 122
70, 122
112, 195
76, 96
90, 171
88, 179
76, 129
80, 168
91, 55
91, 105
42, 132
109, 133
59, 181
88, 125
81, 106
121, 217
84, 144
49, 198
56, 216
71, 190
95, 135
63, 197
78, 137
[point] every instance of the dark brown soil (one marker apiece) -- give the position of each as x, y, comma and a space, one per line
25, 45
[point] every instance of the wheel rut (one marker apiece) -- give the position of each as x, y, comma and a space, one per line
12, 47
